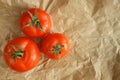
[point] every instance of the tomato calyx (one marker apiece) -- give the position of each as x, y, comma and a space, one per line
57, 49
17, 53
35, 21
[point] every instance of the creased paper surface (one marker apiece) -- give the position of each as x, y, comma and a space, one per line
92, 26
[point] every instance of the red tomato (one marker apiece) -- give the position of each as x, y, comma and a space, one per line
35, 22
55, 46
21, 54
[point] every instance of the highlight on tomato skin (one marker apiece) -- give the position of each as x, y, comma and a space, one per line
35, 23
55, 46
21, 54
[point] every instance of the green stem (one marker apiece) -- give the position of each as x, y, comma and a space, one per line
17, 53
35, 21
57, 49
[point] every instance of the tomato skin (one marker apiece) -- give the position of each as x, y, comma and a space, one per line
33, 31
50, 41
31, 55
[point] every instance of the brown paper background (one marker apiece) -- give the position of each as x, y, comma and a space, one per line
93, 28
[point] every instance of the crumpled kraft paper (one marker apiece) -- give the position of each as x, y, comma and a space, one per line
92, 26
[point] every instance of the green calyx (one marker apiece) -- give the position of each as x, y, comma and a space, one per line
17, 53
57, 49
35, 21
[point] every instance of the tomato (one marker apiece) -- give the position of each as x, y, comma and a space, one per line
55, 45
21, 54
35, 22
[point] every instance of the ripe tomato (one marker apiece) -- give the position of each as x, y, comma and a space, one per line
35, 22
55, 45
21, 54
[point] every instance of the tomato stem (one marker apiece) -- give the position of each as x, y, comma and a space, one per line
57, 49
35, 21
17, 53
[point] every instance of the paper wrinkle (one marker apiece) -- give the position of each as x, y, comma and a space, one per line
92, 26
